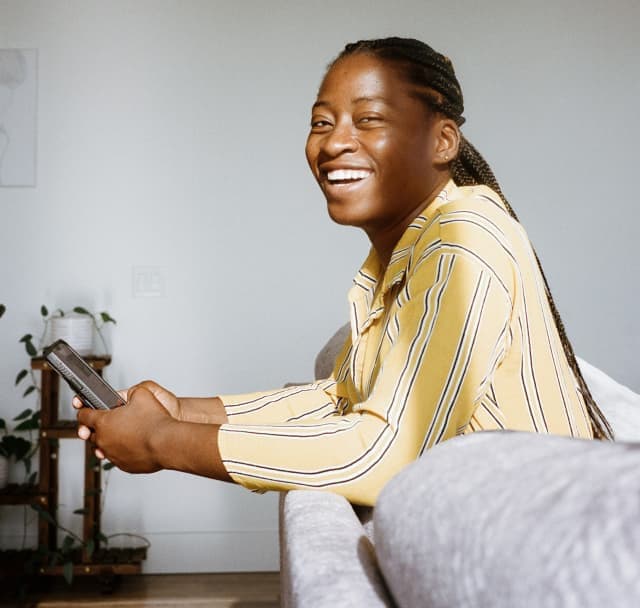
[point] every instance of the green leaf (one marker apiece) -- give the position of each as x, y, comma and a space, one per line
27, 465
29, 390
27, 425
80, 511
90, 545
3, 424
93, 461
107, 466
21, 374
67, 543
103, 538
67, 572
32, 478
45, 515
3, 309
24, 414
43, 311
107, 318
20, 447
28, 344
82, 311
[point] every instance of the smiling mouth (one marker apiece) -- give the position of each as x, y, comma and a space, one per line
347, 176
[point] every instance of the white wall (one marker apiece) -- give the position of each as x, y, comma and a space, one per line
171, 134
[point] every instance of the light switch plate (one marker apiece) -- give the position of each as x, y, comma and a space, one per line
149, 282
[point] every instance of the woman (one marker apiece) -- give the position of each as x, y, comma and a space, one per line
453, 327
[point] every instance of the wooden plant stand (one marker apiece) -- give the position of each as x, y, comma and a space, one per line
104, 562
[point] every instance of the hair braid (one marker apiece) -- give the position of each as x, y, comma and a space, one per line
469, 169
437, 86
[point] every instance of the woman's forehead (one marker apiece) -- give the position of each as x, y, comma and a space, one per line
362, 77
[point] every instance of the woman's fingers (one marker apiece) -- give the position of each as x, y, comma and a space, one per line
99, 454
84, 432
77, 402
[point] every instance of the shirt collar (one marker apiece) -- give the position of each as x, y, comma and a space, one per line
368, 276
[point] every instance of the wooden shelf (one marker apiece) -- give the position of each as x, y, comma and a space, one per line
121, 560
97, 362
22, 494
62, 429
104, 561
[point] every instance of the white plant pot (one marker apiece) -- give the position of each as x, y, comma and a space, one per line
4, 472
76, 330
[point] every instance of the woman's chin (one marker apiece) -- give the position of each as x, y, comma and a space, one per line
345, 215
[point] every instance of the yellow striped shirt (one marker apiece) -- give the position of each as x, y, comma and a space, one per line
454, 336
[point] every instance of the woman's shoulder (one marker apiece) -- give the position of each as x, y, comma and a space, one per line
476, 213
473, 222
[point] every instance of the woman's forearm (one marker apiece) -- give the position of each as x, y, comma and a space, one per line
204, 410
189, 447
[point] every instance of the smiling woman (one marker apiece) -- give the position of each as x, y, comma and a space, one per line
453, 329
377, 153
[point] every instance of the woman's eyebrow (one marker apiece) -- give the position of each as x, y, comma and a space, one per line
374, 98
323, 103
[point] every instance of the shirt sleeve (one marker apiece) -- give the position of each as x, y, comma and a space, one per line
451, 324
317, 400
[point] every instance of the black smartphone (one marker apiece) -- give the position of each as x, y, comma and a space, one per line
81, 377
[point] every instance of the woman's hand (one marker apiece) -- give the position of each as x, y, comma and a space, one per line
143, 436
208, 410
125, 434
165, 397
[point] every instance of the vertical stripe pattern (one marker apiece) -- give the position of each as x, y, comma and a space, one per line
455, 337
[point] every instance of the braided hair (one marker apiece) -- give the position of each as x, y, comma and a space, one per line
436, 85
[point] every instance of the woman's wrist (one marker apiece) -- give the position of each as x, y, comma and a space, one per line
189, 447
164, 443
205, 410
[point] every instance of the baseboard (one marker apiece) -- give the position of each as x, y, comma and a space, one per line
215, 551
234, 551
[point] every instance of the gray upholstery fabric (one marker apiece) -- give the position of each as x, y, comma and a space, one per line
513, 520
327, 356
492, 519
326, 557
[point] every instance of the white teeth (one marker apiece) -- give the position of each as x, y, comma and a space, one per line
345, 174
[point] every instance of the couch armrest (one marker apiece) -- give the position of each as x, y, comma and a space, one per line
325, 555
510, 520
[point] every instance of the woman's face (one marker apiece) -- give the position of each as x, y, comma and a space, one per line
372, 145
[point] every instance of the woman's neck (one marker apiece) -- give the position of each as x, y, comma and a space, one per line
385, 240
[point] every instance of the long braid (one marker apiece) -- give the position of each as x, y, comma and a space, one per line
469, 169
437, 86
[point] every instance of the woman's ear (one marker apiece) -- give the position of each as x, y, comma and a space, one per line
447, 141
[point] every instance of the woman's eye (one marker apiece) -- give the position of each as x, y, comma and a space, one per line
369, 120
319, 123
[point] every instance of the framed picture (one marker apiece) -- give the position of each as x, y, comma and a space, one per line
18, 108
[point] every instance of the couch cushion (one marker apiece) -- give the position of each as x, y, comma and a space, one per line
619, 404
513, 519
326, 557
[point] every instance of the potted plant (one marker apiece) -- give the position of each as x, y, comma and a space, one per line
18, 448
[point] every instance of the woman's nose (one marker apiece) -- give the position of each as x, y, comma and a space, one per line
339, 140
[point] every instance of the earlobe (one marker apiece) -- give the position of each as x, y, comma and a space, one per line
447, 142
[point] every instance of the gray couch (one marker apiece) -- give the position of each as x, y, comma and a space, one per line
500, 519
